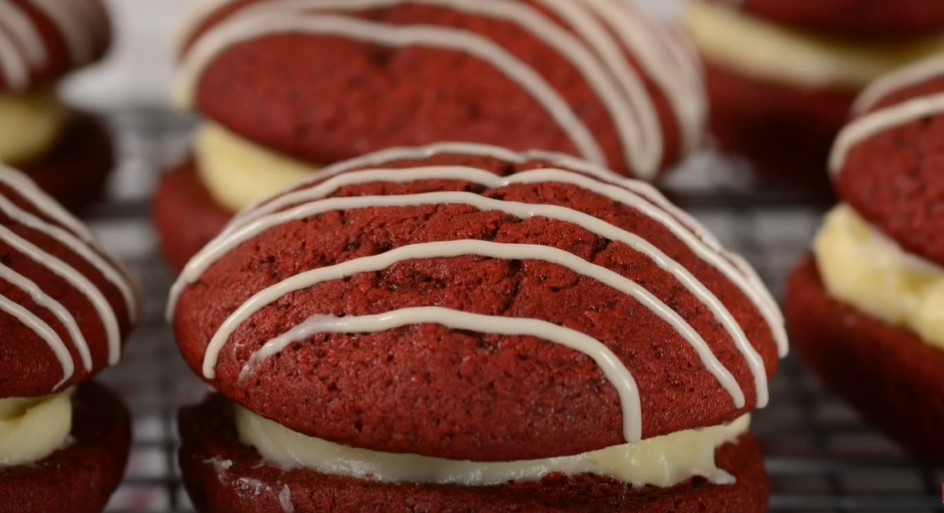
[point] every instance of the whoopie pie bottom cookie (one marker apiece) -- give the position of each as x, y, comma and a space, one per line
80, 477
223, 475
75, 171
785, 131
890, 375
185, 215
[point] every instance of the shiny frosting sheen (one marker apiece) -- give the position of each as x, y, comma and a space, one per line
662, 461
30, 125
755, 47
316, 199
64, 228
863, 267
31, 429
595, 37
83, 26
238, 172
872, 122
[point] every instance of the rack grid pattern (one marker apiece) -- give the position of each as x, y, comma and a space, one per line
820, 456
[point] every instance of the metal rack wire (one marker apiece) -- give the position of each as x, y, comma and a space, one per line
820, 456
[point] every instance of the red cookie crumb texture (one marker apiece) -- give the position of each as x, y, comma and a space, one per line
57, 60
854, 17
891, 376
76, 171
28, 367
185, 214
360, 97
429, 390
785, 131
224, 476
893, 179
81, 477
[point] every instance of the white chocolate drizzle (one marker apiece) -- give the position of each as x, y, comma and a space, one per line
594, 36
892, 116
68, 232
82, 24
614, 370
304, 203
921, 71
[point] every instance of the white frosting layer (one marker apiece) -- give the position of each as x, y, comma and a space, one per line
749, 45
862, 267
240, 173
30, 125
31, 429
662, 461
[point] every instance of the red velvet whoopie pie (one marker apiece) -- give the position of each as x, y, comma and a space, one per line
781, 76
65, 151
864, 310
317, 82
66, 309
410, 328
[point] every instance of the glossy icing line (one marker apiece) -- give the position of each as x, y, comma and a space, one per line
880, 121
43, 331
614, 370
634, 193
909, 76
251, 226
870, 124
75, 239
82, 249
79, 35
58, 310
602, 33
82, 24
76, 236
626, 191
23, 31
246, 29
76, 280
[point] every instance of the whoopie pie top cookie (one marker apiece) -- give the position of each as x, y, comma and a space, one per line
65, 307
468, 302
882, 249
325, 80
42, 40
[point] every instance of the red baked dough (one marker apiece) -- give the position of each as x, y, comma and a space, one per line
889, 374
786, 131
76, 170
185, 215
893, 179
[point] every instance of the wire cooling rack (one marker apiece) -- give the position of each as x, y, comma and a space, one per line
820, 456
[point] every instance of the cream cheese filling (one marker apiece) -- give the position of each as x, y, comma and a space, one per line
30, 125
749, 45
862, 267
31, 429
238, 172
662, 461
